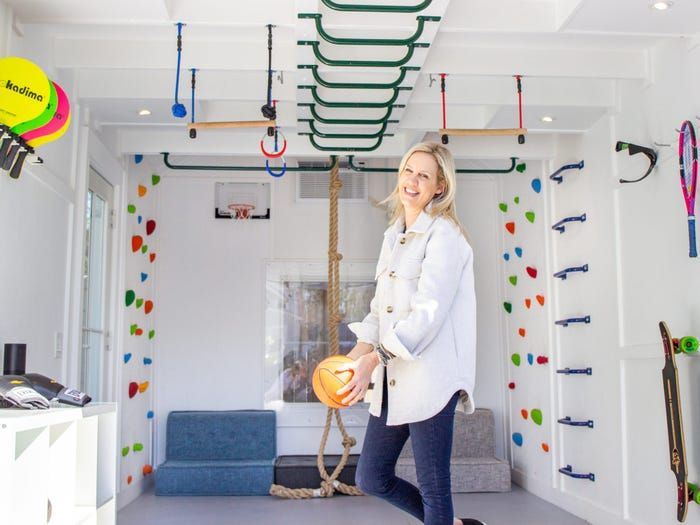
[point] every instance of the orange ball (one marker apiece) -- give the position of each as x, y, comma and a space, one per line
326, 380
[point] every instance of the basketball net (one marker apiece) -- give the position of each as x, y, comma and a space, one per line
240, 211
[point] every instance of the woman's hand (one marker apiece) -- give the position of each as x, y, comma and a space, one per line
362, 369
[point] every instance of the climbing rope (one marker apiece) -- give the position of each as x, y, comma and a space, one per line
329, 483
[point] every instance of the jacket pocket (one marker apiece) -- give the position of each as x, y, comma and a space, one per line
409, 268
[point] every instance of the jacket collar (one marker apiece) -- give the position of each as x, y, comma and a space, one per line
421, 224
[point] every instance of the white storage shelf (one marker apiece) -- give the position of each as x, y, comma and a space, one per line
63, 458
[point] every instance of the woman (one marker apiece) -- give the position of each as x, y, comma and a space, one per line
418, 343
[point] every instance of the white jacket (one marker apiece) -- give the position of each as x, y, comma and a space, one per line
424, 313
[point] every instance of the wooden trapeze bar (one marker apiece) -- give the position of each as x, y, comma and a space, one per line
233, 124
456, 132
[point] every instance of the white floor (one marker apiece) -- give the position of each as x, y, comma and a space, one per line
515, 507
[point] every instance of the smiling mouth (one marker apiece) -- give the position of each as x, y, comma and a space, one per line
410, 193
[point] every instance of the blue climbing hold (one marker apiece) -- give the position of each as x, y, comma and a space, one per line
518, 439
127, 357
148, 361
139, 219
537, 185
150, 414
506, 256
144, 276
530, 359
519, 252
138, 158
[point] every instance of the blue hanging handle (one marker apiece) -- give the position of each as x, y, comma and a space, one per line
193, 131
566, 322
563, 274
560, 226
568, 421
178, 109
278, 173
559, 178
568, 471
582, 371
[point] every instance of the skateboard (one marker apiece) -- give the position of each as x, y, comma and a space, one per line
674, 418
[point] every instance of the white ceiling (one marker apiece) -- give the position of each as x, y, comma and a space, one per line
122, 56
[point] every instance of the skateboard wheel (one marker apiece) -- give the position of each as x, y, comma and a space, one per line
688, 344
693, 493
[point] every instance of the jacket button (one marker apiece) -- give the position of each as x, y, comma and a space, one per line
403, 240
392, 273
392, 382
389, 309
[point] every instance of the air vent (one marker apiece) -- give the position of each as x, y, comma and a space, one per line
313, 185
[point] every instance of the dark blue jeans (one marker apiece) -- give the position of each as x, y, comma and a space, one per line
432, 447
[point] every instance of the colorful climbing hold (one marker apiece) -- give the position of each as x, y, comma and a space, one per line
136, 242
513, 280
516, 359
148, 307
536, 415
519, 251
147, 361
532, 272
139, 302
127, 357
155, 179
129, 297
510, 226
545, 447
152, 256
125, 451
508, 307
536, 185
150, 226
523, 413
139, 332
530, 216
131, 208
521, 332
151, 334
542, 359
129, 479
138, 158
528, 303
516, 200
143, 386
540, 299
521, 167
132, 328
503, 207
142, 190
518, 439
506, 256
138, 447
511, 385
133, 389
149, 414
530, 359
144, 276
139, 219
147, 469
144, 248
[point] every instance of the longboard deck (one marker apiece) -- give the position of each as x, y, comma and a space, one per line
674, 422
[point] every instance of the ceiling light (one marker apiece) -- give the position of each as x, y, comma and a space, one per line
547, 118
144, 112
661, 6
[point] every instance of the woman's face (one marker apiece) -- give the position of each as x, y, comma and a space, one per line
418, 182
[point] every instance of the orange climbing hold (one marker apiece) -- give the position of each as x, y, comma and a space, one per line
545, 447
142, 190
540, 299
521, 331
523, 413
528, 303
510, 226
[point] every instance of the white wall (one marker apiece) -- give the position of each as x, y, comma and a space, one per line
636, 243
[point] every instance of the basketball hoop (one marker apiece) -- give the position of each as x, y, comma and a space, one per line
241, 211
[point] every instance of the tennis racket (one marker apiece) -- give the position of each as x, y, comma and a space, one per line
688, 164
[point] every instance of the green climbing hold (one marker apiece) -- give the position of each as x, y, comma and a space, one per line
139, 302
536, 415
125, 451
516, 359
513, 280
155, 179
131, 208
151, 334
530, 216
520, 168
144, 248
130, 296
516, 200
132, 328
138, 447
508, 307
503, 206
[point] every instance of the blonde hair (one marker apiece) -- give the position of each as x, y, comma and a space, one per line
442, 204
